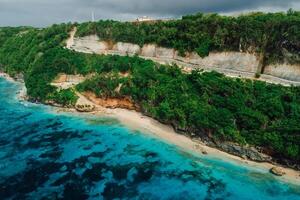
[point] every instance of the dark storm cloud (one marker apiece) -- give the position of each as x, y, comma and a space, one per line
45, 12
178, 7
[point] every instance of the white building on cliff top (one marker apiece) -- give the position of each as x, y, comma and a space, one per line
144, 19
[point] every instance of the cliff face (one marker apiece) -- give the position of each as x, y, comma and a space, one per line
111, 102
284, 71
230, 63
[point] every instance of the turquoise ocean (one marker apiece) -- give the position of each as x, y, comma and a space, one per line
50, 155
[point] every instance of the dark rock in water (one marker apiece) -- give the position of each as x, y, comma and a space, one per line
113, 191
277, 171
74, 191
63, 168
204, 152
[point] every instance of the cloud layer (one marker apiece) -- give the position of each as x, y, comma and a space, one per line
46, 12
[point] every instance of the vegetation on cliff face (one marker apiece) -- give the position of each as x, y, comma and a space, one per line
244, 111
273, 35
226, 109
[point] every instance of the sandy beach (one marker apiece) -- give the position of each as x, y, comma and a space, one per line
137, 121
147, 125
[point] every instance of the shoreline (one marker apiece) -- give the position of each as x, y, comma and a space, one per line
7, 77
136, 121
21, 93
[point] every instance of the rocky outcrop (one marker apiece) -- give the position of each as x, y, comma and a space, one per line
47, 102
206, 137
277, 171
84, 107
83, 104
111, 102
250, 153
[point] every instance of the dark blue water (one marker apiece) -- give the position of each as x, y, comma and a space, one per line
46, 155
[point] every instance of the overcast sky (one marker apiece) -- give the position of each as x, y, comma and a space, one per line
46, 12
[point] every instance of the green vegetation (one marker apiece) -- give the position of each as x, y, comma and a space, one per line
243, 111
38, 54
103, 85
274, 35
64, 97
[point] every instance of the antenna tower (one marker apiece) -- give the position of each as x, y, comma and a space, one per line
93, 16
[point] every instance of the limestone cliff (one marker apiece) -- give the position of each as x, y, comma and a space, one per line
284, 71
238, 64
